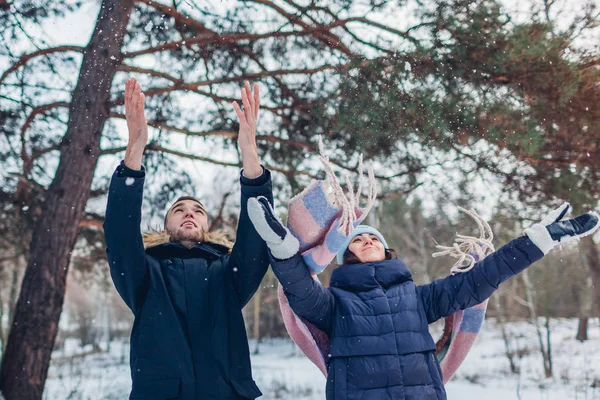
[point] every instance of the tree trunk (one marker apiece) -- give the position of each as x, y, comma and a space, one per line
2, 332
586, 298
108, 321
501, 318
14, 290
549, 364
35, 324
582, 329
592, 256
546, 357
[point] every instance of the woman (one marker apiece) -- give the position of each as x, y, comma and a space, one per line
377, 319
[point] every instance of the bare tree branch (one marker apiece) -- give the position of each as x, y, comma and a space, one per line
176, 15
591, 64
25, 58
193, 87
345, 22
212, 38
161, 149
321, 32
35, 112
329, 39
383, 27
221, 133
279, 72
398, 193
151, 72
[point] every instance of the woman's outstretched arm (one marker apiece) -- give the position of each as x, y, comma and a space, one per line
307, 297
444, 297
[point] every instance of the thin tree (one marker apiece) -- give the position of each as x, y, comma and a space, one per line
35, 324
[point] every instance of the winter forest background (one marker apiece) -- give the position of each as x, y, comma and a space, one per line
491, 105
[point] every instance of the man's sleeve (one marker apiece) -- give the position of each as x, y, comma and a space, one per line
250, 258
125, 249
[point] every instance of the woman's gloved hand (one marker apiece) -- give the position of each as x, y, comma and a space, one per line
280, 241
552, 230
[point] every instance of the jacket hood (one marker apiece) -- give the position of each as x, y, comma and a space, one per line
155, 238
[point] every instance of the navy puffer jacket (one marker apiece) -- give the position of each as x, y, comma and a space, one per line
377, 319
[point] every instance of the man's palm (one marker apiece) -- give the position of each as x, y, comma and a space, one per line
248, 118
134, 112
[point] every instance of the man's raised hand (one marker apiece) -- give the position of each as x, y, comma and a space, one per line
247, 133
136, 124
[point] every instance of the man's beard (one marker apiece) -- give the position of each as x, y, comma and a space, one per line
182, 234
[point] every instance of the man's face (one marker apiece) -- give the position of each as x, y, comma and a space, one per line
187, 220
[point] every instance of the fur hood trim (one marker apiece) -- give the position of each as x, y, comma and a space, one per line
155, 238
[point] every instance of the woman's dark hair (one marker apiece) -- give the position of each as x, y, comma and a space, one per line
350, 257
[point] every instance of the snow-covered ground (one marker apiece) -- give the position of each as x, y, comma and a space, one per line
282, 373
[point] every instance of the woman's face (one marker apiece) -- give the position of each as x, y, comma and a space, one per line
367, 248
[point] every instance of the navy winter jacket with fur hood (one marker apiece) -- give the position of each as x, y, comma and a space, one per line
377, 319
188, 340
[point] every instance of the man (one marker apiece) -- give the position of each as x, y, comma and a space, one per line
186, 292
